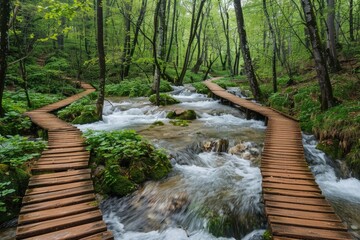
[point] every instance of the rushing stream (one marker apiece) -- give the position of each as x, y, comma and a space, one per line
209, 195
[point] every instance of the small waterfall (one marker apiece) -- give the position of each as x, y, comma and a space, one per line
342, 192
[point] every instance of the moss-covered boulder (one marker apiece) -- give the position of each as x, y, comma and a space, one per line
86, 117
165, 99
128, 160
182, 114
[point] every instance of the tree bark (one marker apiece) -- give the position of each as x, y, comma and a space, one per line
172, 31
4, 28
159, 44
273, 36
331, 37
225, 24
102, 65
193, 29
351, 20
246, 51
136, 36
327, 99
127, 41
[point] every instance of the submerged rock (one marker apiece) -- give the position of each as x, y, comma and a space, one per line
246, 150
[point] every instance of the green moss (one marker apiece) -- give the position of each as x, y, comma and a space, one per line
182, 115
158, 123
180, 123
201, 88
164, 99
267, 235
353, 159
331, 148
86, 117
129, 160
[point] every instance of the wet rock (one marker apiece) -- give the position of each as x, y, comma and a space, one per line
246, 150
182, 114
219, 145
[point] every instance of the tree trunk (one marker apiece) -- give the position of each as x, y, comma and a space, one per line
4, 28
136, 36
331, 37
172, 31
101, 52
127, 41
351, 20
327, 99
273, 36
159, 44
225, 24
60, 38
246, 51
193, 29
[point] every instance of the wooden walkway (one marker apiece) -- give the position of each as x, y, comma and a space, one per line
294, 205
60, 202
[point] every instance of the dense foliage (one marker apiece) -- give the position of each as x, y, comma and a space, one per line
15, 154
123, 159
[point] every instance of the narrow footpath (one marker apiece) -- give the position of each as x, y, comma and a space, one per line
294, 204
60, 202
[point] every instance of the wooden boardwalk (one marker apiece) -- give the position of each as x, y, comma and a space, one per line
60, 202
294, 205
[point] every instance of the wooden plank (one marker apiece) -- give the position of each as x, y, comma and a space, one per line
296, 200
308, 233
78, 232
330, 217
60, 167
58, 180
293, 187
287, 175
100, 236
297, 206
58, 203
56, 188
289, 181
60, 174
48, 214
30, 199
293, 193
38, 228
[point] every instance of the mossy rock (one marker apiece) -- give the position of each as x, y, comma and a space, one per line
86, 117
182, 114
165, 99
158, 123
331, 148
4, 168
137, 172
122, 186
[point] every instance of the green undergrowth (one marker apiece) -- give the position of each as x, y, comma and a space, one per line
338, 128
16, 153
15, 104
80, 112
122, 160
134, 88
201, 88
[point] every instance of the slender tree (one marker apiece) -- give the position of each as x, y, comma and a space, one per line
159, 44
195, 20
327, 99
331, 37
224, 14
351, 20
101, 53
4, 29
246, 51
273, 38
